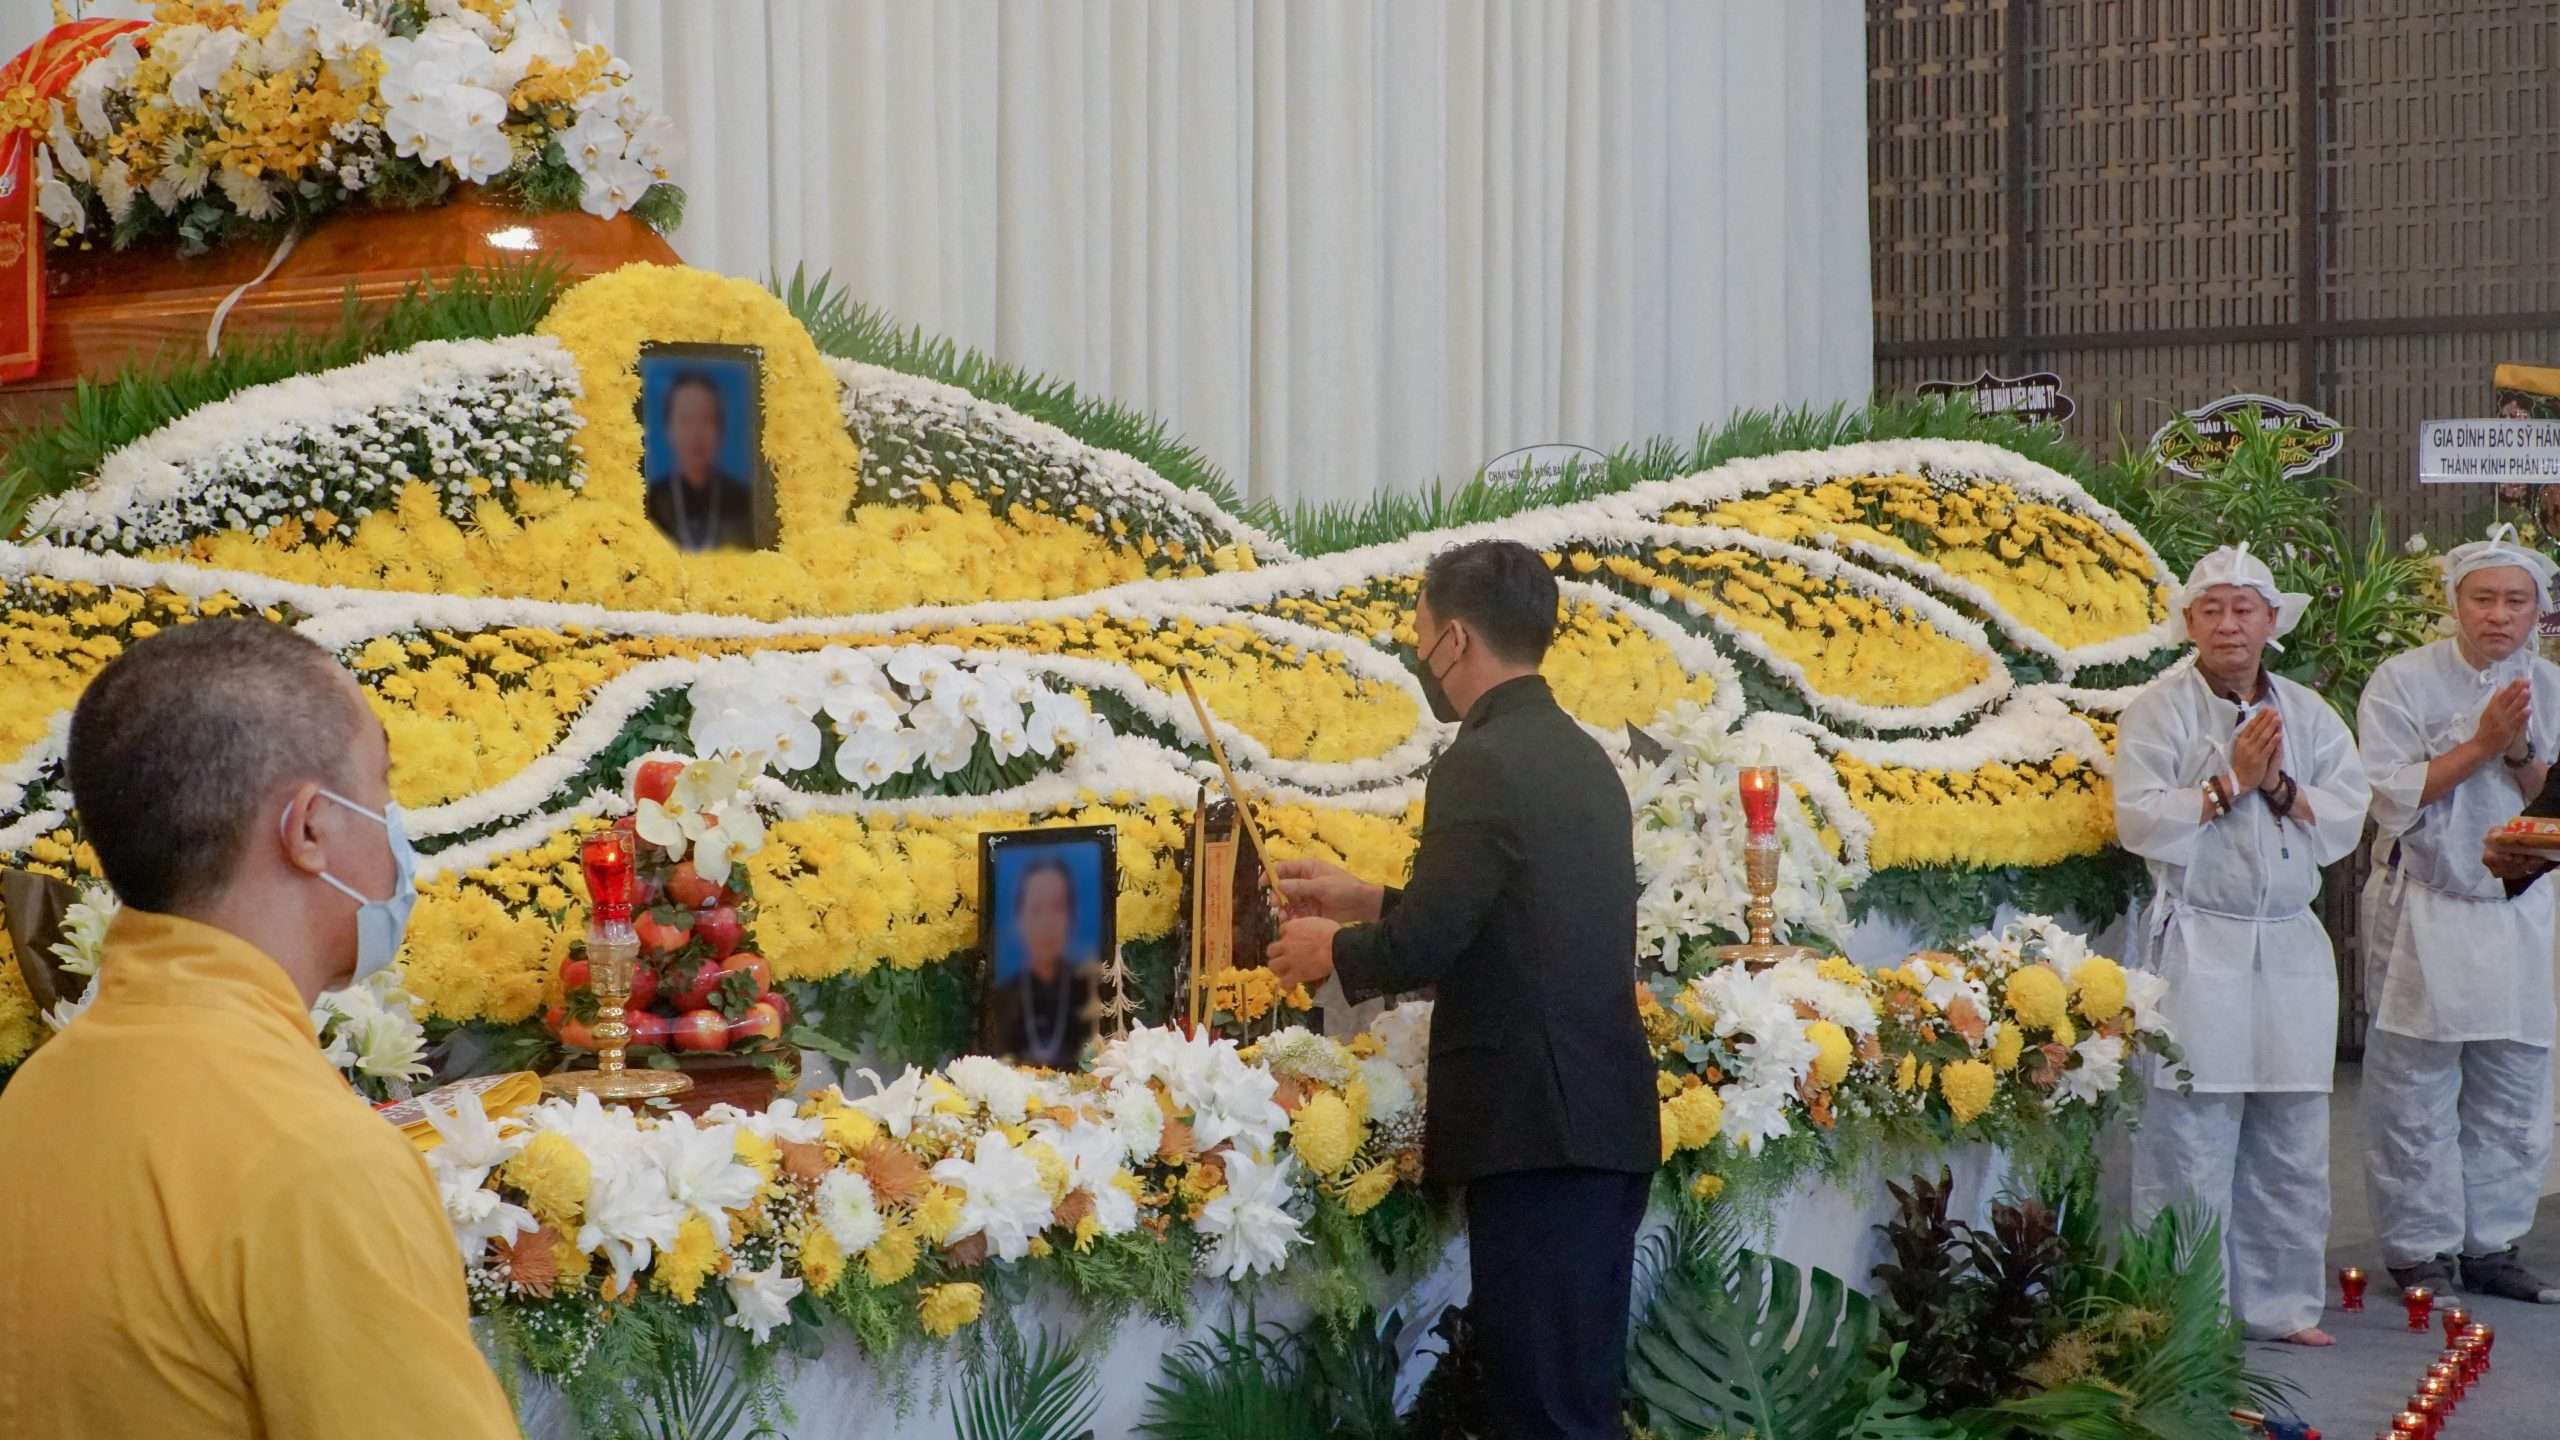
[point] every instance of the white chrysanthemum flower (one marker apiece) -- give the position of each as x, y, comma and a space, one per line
848, 1209
2100, 1071
1003, 1091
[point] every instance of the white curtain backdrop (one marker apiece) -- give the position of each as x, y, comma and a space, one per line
1340, 245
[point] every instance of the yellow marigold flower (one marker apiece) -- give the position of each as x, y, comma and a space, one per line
683, 1266
821, 1259
2097, 989
1052, 1167
937, 1212
1968, 1086
1831, 1051
2037, 997
2006, 1046
2064, 1032
945, 1308
1324, 1134
1700, 1113
1369, 1187
1706, 1187
892, 1257
1670, 1132
1905, 1073
554, 1174
849, 1130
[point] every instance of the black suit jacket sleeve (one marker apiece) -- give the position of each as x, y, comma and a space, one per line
1465, 858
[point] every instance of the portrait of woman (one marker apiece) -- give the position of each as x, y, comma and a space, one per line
700, 419
1047, 924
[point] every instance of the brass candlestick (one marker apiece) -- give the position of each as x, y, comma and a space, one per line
1760, 915
609, 964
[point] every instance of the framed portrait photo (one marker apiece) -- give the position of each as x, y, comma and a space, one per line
1048, 902
702, 446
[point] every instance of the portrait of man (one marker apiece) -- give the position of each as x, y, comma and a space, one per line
1046, 923
701, 414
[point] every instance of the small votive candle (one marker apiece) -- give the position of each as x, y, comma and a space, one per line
2448, 1374
2455, 1317
2488, 1339
2429, 1408
2408, 1425
2467, 1353
2421, 1302
2351, 1287
1760, 799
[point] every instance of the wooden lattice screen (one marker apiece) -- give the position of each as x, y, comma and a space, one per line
2353, 203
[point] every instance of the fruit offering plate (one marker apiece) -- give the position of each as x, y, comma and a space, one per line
2528, 832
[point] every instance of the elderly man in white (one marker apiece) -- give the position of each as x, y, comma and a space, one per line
2458, 735
2237, 785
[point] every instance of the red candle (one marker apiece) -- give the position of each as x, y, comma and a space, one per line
606, 859
2421, 1302
2351, 1287
1760, 799
2455, 1317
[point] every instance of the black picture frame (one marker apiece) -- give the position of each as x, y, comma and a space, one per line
734, 374
1020, 1019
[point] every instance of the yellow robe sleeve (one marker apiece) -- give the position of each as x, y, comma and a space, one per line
354, 1317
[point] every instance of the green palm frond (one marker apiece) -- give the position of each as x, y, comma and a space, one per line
701, 1389
1247, 1383
1749, 1345
1046, 1393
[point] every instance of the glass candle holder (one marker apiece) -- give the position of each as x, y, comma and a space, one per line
2421, 1303
2351, 1288
2455, 1318
1759, 786
2466, 1350
2429, 1408
2408, 1425
2448, 1374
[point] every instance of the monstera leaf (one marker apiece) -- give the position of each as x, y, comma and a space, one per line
1748, 1344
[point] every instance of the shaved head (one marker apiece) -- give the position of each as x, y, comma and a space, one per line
178, 745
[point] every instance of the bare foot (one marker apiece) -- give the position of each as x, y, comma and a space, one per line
2315, 1337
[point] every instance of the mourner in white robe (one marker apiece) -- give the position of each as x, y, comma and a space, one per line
2457, 1066
2252, 979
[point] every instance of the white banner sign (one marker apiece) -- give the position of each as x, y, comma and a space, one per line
2489, 452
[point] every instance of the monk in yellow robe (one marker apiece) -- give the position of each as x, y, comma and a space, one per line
209, 1234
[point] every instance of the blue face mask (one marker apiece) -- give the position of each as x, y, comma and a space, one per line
380, 924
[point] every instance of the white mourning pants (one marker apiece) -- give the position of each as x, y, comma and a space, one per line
2259, 1161
2456, 1136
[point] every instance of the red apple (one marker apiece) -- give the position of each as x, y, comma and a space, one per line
573, 974
686, 887
693, 990
701, 1030
656, 780
780, 1002
658, 937
552, 1018
719, 928
761, 1022
577, 1034
644, 987
648, 1028
753, 964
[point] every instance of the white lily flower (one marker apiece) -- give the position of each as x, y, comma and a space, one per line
761, 1300
1001, 1196
703, 1172
1250, 1228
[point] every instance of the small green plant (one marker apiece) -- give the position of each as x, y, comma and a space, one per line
1044, 1392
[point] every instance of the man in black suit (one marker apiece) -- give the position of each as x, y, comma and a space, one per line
1522, 913
694, 502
